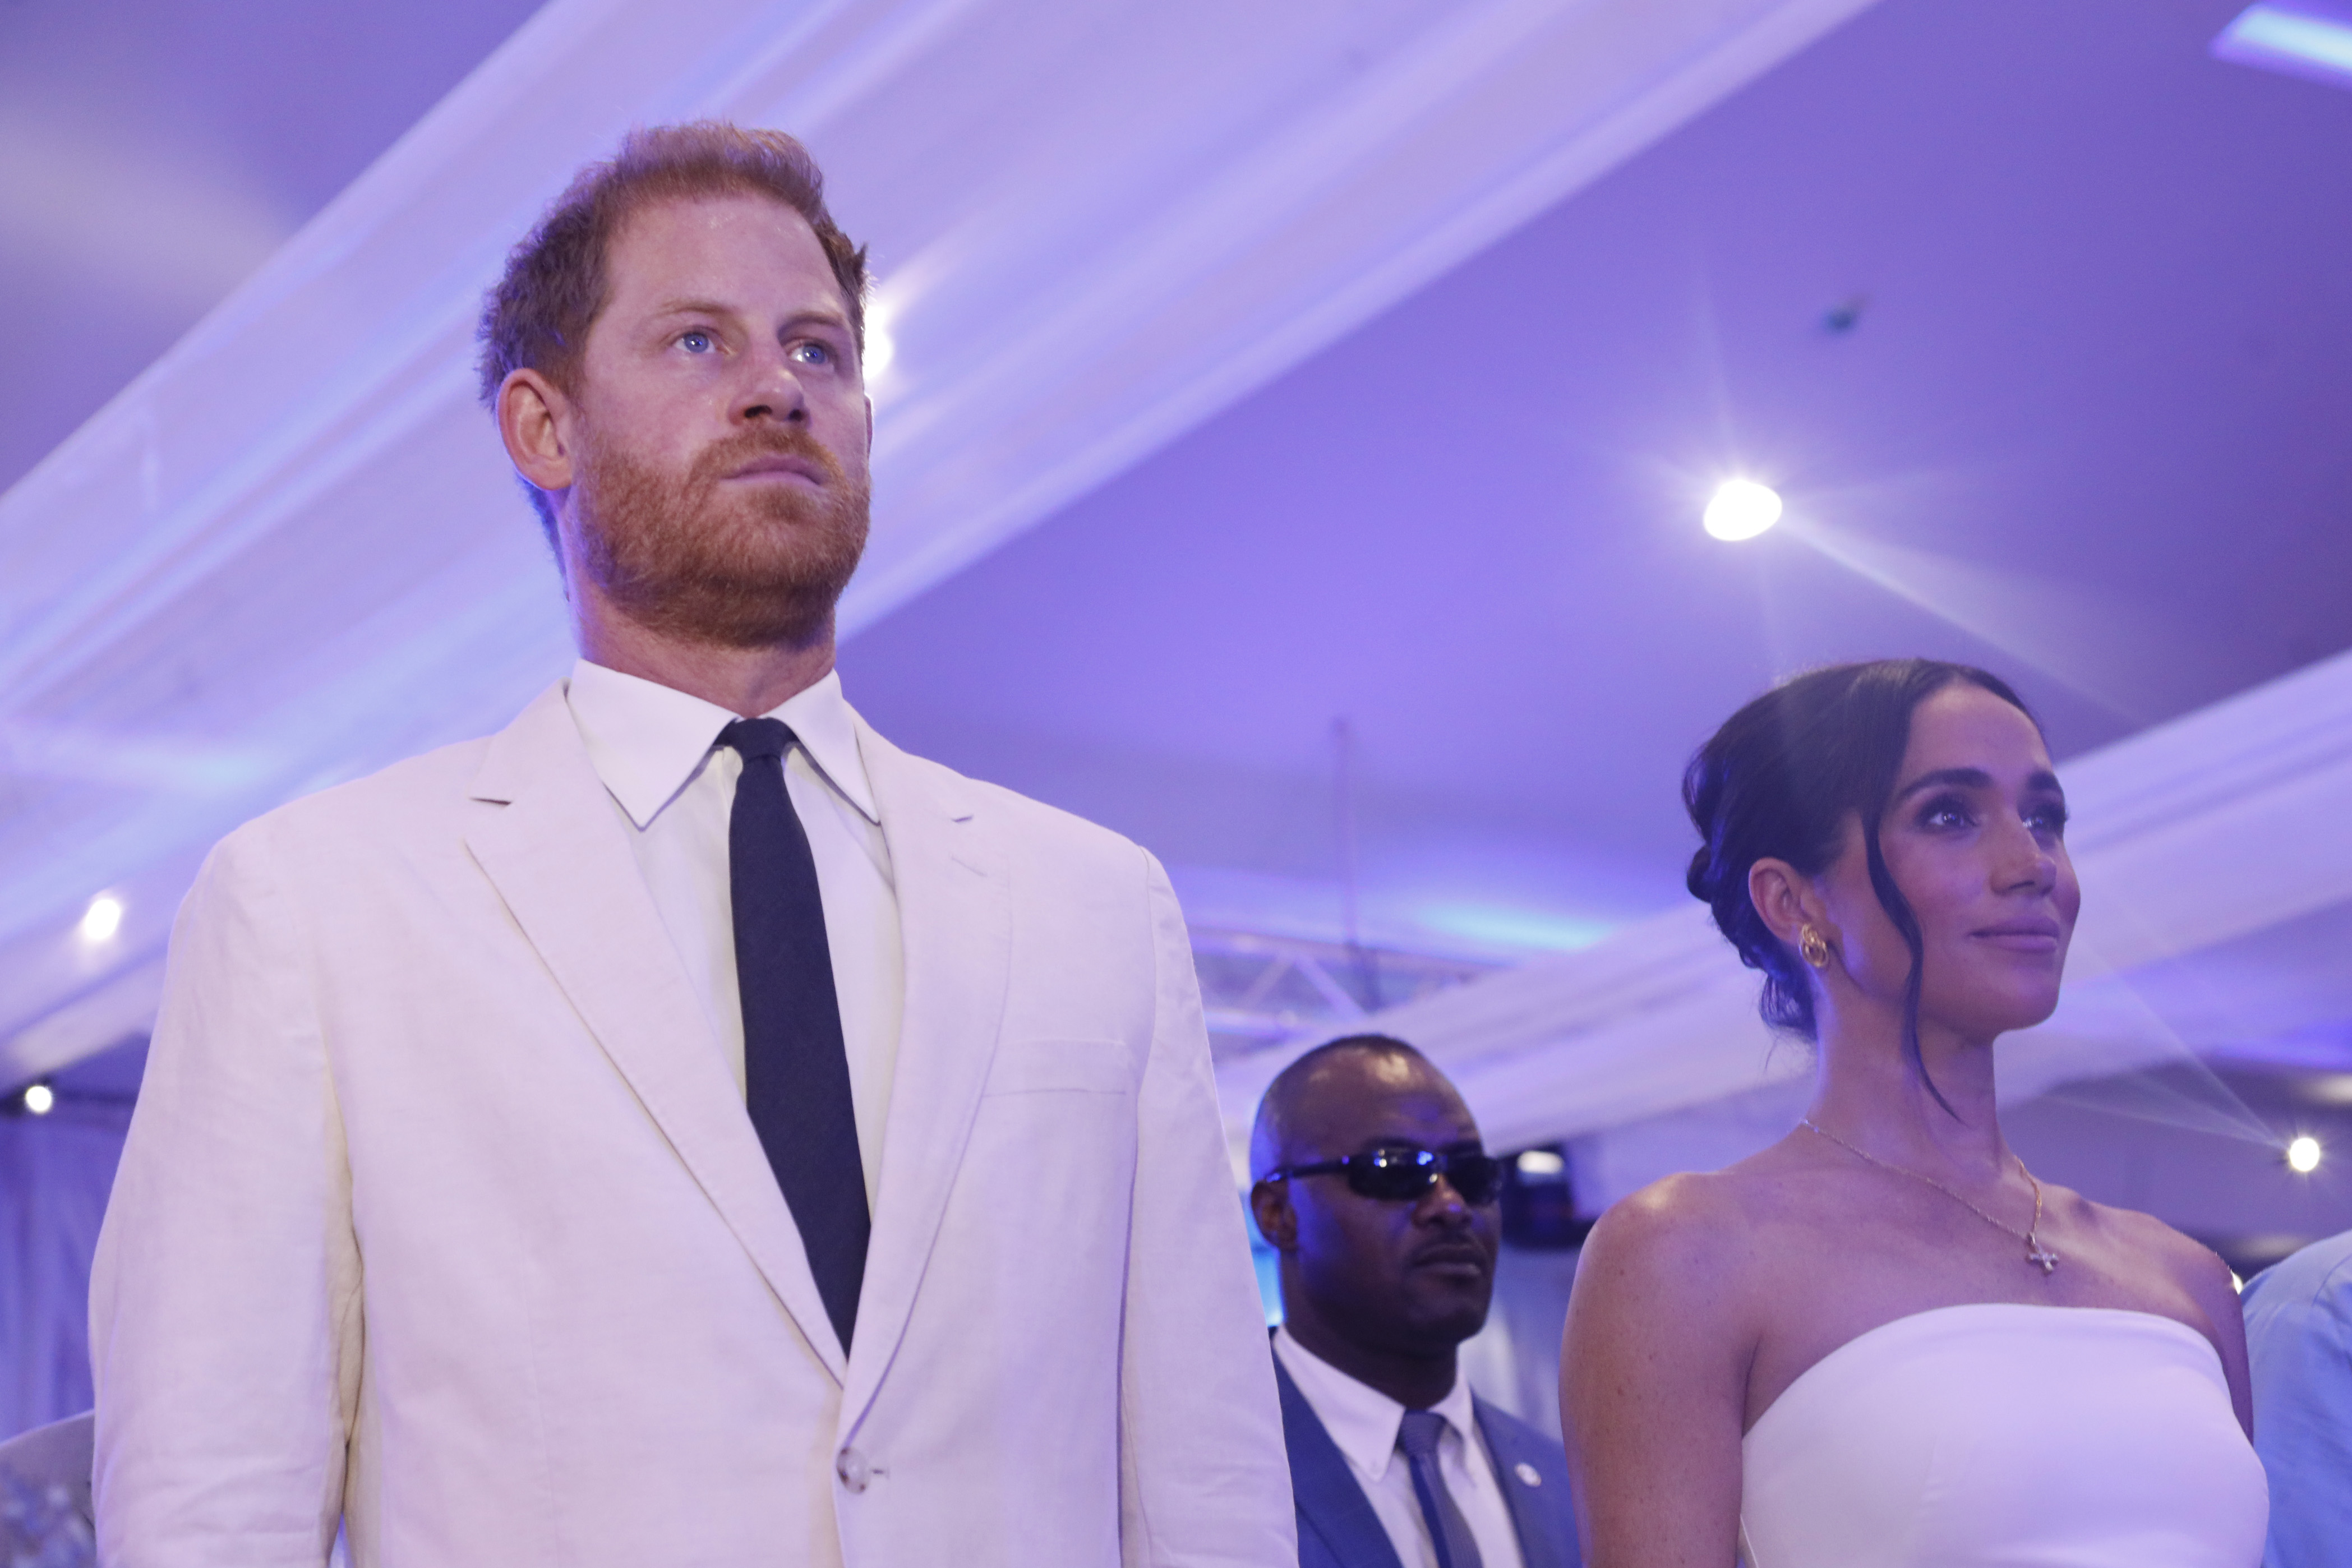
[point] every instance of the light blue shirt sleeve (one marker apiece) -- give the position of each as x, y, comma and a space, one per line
2299, 1345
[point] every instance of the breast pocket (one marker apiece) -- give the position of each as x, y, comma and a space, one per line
1061, 1066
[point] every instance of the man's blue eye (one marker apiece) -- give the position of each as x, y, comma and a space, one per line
824, 355
695, 342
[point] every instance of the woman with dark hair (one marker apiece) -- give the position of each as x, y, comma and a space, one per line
1883, 1341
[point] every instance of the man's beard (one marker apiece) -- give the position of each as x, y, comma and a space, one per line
761, 564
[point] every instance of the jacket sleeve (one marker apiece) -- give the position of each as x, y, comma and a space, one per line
2299, 1348
225, 1295
1204, 1476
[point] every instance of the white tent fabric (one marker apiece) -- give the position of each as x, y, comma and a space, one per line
291, 551
2215, 854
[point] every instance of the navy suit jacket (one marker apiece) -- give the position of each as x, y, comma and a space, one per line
1337, 1526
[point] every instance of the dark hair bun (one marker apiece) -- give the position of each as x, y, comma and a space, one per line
1699, 878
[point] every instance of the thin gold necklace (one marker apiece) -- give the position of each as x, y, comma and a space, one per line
2036, 1253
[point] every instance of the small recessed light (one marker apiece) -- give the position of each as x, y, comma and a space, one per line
102, 919
1541, 1163
1742, 509
2303, 1155
40, 1099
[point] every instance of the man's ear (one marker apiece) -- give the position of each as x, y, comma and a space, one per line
1270, 1206
535, 422
1788, 901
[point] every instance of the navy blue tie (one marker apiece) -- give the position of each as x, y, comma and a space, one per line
1449, 1532
796, 1069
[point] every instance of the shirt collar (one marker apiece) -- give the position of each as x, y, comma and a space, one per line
648, 741
1363, 1421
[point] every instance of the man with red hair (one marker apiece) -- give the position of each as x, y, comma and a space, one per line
682, 1127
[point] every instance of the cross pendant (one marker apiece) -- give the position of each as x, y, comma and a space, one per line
2044, 1256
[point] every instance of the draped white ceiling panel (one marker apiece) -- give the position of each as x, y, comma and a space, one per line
291, 551
2215, 854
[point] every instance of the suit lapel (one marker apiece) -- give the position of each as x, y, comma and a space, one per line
1331, 1501
557, 855
955, 923
1539, 1520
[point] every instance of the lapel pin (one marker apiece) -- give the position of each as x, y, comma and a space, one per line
1526, 1472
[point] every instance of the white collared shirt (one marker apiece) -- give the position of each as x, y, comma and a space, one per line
1363, 1422
656, 749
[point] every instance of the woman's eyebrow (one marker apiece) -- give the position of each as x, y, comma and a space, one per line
2041, 781
1960, 778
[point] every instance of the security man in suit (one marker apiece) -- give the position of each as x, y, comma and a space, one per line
1370, 1182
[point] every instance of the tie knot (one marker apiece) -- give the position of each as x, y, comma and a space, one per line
757, 738
1417, 1434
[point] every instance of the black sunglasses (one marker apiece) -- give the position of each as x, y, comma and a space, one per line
1397, 1175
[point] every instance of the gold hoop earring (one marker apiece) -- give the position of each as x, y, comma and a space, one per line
1813, 946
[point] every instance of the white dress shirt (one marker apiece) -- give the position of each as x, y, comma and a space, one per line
1363, 1422
656, 749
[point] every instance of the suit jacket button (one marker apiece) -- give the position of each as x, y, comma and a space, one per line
1528, 1473
853, 1470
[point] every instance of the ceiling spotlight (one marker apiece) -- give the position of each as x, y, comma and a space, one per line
1541, 1163
2285, 36
102, 919
1742, 509
40, 1099
2303, 1155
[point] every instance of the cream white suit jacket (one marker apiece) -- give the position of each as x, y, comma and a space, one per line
441, 1217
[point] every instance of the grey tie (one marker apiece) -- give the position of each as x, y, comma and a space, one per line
1417, 1437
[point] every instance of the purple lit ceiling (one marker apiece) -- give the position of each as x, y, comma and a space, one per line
154, 153
2090, 424
2086, 422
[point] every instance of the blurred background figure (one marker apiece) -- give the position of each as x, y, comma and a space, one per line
1371, 1184
45, 1513
2299, 1349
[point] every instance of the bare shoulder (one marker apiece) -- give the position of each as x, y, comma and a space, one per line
2178, 1277
1685, 1225
2197, 1270
2145, 1255
1662, 1328
2184, 1262
1661, 1316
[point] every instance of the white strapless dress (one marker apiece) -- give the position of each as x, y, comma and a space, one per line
1996, 1436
